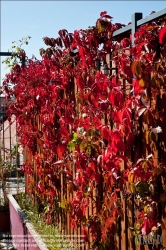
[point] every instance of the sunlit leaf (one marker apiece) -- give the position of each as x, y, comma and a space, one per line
162, 35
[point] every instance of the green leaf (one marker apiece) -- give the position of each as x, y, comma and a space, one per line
46, 209
71, 146
137, 240
78, 141
86, 194
75, 136
142, 187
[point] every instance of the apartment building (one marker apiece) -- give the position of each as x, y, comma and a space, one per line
8, 135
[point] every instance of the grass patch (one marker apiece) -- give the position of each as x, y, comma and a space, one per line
49, 233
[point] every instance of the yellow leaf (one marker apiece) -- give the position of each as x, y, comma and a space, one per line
137, 226
144, 165
145, 209
147, 137
151, 27
137, 232
136, 68
104, 208
18, 49
152, 137
130, 177
143, 83
132, 188
158, 171
154, 229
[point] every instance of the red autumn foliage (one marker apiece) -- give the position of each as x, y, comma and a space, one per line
162, 35
68, 126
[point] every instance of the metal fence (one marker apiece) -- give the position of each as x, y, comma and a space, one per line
14, 181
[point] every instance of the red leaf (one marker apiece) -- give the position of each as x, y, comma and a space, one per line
162, 35
62, 33
109, 222
77, 198
48, 222
116, 98
147, 226
73, 224
106, 133
125, 42
68, 118
60, 150
84, 64
41, 186
79, 178
136, 86
93, 165
82, 52
63, 133
68, 172
59, 43
50, 192
103, 13
84, 232
66, 41
117, 141
114, 82
58, 162
107, 16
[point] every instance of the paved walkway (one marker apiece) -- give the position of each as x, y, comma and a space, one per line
13, 186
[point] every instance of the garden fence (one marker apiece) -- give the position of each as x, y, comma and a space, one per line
123, 238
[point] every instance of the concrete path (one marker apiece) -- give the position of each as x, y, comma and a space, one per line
13, 186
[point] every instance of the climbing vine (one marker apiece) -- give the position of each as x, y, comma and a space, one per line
86, 121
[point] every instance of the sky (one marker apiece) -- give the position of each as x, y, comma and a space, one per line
45, 18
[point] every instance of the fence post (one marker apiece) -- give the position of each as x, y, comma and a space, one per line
134, 18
